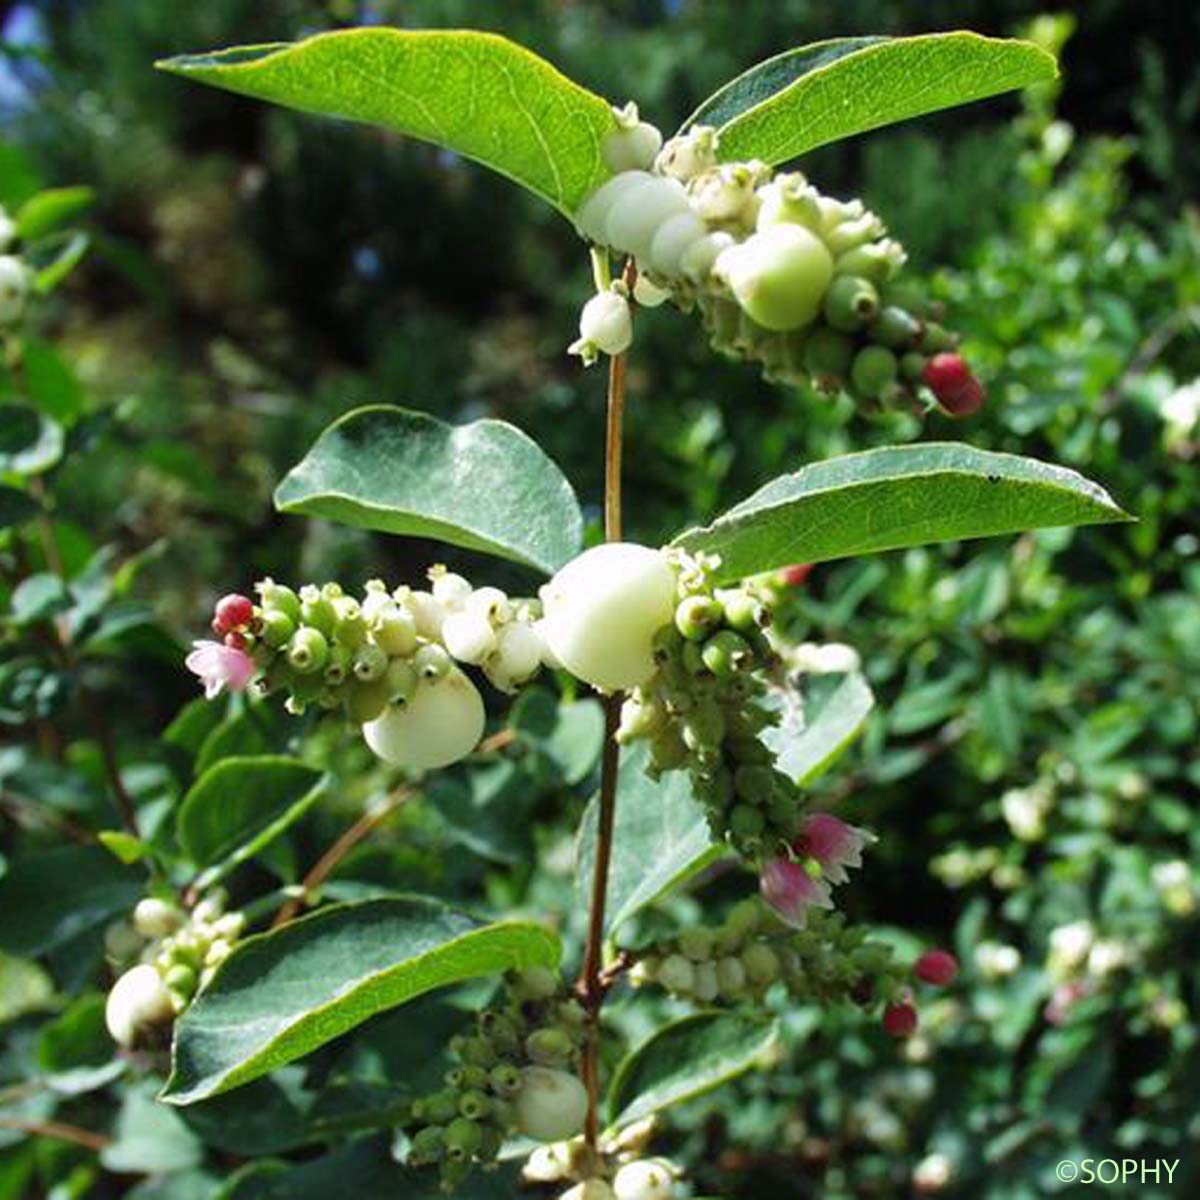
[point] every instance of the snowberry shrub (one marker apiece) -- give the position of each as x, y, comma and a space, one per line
703, 696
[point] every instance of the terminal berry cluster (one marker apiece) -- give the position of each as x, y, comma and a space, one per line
782, 275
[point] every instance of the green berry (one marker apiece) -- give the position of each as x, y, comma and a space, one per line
428, 1145
395, 631
462, 1138
912, 366
761, 963
351, 627
307, 650
474, 1105
549, 1047
478, 1052
432, 662
779, 276
536, 983
440, 1107
696, 943
850, 303
727, 654
505, 1079
742, 611
677, 974
895, 327
316, 610
936, 340
366, 701
746, 821
277, 598
370, 663
874, 369
401, 679
182, 979
668, 750
731, 977
697, 616
276, 627
704, 727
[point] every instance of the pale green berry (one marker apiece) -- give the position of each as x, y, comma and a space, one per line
788, 200
518, 655
851, 303
895, 328
317, 611
706, 988
697, 616
591, 219
139, 1001
307, 650
351, 627
677, 974
644, 1179
431, 662
440, 725
605, 325
633, 146
370, 663
275, 597
549, 1047
394, 629
402, 680
647, 294
697, 260
492, 604
779, 276
536, 983
468, 636
463, 1138
154, 918
696, 942
551, 1104
449, 589
636, 217
672, 241
873, 370
761, 963
276, 627
589, 1189
853, 233
876, 261
731, 976
603, 609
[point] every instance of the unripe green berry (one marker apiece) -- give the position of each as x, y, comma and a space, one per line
761, 963
307, 650
851, 303
746, 821
276, 627
704, 727
440, 1107
697, 261
182, 979
895, 328
474, 1105
549, 1047
677, 974
432, 663
478, 1052
876, 261
640, 717
727, 654
317, 611
742, 611
696, 942
632, 147
697, 616
428, 1145
912, 366
638, 214
936, 340
779, 276
402, 680
505, 1079
706, 987
668, 750
395, 631
551, 1105
731, 977
274, 597
462, 1138
592, 217
874, 369
370, 663
536, 983
351, 627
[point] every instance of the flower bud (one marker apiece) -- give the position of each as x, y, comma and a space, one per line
469, 637
688, 154
779, 276
646, 1179
603, 609
139, 1000
957, 391
154, 918
551, 1104
441, 724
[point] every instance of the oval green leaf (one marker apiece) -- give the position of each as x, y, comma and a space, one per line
51, 209
893, 498
475, 93
241, 804
818, 724
813, 95
483, 486
660, 838
685, 1059
282, 994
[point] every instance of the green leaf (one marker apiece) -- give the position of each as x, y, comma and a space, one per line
239, 805
484, 486
16, 507
685, 1059
124, 847
24, 988
475, 93
660, 838
892, 498
50, 382
150, 1138
817, 94
38, 598
45, 212
70, 254
49, 898
817, 726
280, 995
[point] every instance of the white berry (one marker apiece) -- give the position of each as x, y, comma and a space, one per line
139, 1000
603, 609
647, 1179
441, 724
551, 1104
154, 918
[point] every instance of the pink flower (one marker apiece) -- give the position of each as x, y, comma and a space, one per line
833, 843
789, 889
220, 667
1063, 999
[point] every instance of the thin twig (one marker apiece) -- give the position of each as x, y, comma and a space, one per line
59, 1131
327, 863
593, 984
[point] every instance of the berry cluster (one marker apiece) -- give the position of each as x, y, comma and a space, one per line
16, 276
781, 275
389, 660
515, 1075
828, 961
177, 953
702, 710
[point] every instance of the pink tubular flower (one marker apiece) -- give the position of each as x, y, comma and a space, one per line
833, 843
220, 667
790, 890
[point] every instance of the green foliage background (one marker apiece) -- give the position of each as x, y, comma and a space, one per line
256, 273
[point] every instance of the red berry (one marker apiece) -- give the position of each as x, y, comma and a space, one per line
938, 967
232, 611
796, 574
958, 392
900, 1020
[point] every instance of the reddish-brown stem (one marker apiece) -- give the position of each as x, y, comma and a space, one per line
57, 1130
326, 864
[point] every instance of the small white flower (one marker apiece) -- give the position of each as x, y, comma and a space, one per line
1181, 409
933, 1173
605, 327
996, 960
15, 279
1173, 874
1025, 811
1069, 945
1109, 955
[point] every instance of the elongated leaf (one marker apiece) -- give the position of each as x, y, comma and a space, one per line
484, 486
48, 210
817, 726
475, 93
830, 90
239, 805
685, 1059
892, 498
282, 994
47, 899
660, 838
